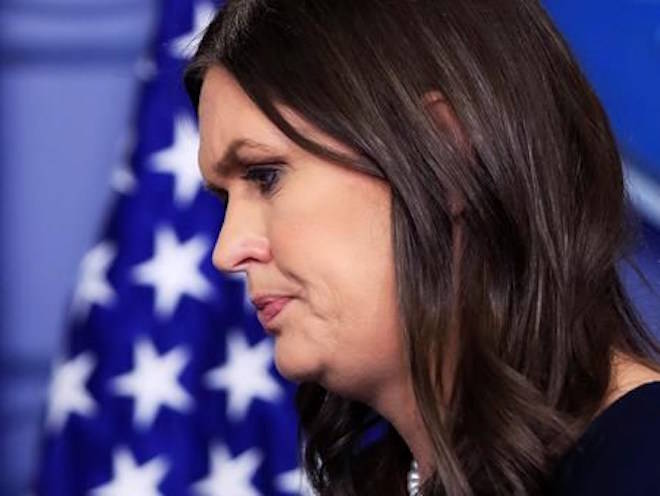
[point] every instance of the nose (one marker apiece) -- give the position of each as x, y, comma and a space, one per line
241, 240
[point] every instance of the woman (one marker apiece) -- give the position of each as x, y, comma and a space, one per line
428, 203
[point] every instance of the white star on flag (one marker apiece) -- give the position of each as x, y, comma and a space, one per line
230, 476
245, 374
295, 482
174, 271
180, 160
242, 278
184, 46
93, 286
131, 479
153, 382
122, 179
67, 393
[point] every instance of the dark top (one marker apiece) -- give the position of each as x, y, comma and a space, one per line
619, 453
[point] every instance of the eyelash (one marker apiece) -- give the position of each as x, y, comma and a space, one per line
254, 174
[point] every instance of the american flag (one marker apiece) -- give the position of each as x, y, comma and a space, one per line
165, 383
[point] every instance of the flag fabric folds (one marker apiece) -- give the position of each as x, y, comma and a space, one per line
165, 383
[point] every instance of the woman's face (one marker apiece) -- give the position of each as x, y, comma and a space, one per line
312, 230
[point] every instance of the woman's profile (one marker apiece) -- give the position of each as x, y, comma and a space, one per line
428, 203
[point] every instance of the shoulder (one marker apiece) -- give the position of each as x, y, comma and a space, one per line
619, 452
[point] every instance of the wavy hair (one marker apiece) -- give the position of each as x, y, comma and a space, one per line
536, 304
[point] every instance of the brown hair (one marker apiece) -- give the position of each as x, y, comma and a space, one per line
544, 222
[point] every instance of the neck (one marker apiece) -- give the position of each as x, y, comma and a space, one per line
399, 408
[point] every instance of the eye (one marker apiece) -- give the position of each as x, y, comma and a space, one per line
264, 177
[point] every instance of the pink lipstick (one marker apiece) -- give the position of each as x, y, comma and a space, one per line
271, 308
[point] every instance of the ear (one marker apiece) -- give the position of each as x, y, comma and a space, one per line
444, 116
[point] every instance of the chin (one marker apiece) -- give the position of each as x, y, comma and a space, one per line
295, 367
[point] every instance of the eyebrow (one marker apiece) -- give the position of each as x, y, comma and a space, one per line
231, 159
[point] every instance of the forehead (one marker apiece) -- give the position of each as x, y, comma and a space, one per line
227, 114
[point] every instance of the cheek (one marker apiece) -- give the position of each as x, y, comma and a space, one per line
346, 264
333, 237
339, 248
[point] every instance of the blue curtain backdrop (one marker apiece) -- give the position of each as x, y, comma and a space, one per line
68, 93
67, 89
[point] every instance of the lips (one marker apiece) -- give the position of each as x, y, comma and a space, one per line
269, 308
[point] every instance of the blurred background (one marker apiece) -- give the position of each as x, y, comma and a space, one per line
77, 80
